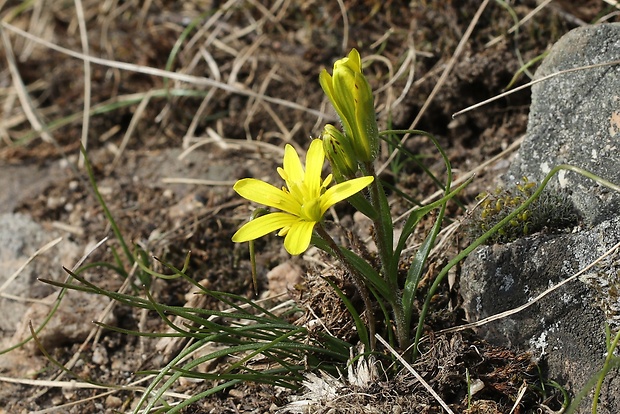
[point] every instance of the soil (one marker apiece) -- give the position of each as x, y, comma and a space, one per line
148, 136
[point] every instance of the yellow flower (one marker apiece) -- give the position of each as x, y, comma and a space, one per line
303, 201
350, 94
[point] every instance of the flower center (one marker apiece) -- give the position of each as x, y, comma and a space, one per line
311, 210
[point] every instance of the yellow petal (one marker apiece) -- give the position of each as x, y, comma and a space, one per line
325, 80
315, 159
327, 83
342, 191
292, 165
354, 60
262, 193
298, 237
328, 180
344, 81
263, 225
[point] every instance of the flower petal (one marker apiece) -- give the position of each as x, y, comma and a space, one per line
263, 225
293, 169
353, 60
344, 89
342, 191
298, 237
262, 193
315, 158
325, 80
327, 83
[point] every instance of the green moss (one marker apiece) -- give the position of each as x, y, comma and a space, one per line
551, 210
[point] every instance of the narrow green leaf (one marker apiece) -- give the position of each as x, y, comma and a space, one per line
370, 274
417, 266
417, 214
359, 323
362, 205
363, 267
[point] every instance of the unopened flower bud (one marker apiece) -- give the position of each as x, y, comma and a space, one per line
339, 153
350, 94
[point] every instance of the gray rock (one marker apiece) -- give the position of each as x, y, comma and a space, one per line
20, 237
567, 327
575, 119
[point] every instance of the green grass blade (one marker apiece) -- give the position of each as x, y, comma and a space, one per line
107, 213
362, 332
480, 240
363, 267
417, 267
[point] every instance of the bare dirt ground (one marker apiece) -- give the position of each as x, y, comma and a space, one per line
149, 135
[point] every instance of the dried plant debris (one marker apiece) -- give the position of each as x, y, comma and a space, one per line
495, 378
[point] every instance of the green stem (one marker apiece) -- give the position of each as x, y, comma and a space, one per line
358, 280
402, 330
384, 238
480, 240
383, 225
604, 371
106, 211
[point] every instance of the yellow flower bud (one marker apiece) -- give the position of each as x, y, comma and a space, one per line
339, 153
350, 94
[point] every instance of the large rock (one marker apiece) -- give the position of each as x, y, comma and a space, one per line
566, 328
574, 119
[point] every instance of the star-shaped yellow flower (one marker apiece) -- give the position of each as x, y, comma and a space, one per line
303, 201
